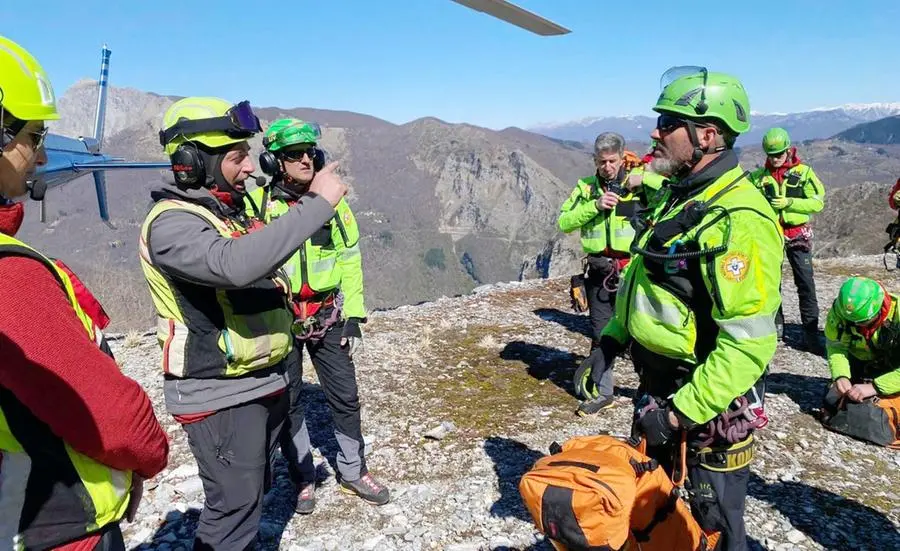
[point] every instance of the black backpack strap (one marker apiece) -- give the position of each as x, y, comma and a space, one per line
641, 467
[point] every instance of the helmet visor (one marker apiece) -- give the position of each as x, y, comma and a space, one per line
243, 118
675, 73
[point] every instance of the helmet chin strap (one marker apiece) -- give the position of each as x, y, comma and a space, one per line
699, 152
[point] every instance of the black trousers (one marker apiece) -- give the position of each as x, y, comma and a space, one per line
725, 510
802, 268
721, 497
234, 449
602, 307
601, 302
337, 376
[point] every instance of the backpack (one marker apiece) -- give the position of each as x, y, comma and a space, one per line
876, 420
632, 160
600, 493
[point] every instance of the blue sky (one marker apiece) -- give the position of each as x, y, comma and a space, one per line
404, 59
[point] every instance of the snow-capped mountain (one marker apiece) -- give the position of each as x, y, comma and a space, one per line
818, 123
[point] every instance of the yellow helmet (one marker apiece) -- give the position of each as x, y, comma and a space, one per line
210, 121
25, 90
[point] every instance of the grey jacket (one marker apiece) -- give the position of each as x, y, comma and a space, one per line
186, 247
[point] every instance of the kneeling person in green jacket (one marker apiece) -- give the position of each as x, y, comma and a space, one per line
327, 285
862, 334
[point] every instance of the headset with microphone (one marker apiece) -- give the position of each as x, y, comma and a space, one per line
188, 161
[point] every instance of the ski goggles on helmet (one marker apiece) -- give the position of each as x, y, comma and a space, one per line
238, 122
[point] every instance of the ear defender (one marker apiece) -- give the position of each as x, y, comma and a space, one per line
269, 164
319, 160
188, 166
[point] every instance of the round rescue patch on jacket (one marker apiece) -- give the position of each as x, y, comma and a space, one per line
735, 266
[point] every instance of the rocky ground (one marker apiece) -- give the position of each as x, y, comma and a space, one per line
494, 369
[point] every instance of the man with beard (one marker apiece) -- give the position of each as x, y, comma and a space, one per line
327, 286
697, 304
223, 313
601, 207
796, 193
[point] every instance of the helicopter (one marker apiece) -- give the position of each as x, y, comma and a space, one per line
70, 158
513, 14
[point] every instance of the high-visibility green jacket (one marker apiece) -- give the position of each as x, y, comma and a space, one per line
843, 341
801, 185
601, 229
713, 315
330, 260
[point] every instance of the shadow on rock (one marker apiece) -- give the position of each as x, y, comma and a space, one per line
544, 362
576, 323
179, 528
320, 424
794, 338
553, 364
511, 460
831, 520
806, 391
754, 545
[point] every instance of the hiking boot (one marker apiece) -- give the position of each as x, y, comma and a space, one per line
306, 499
367, 488
591, 407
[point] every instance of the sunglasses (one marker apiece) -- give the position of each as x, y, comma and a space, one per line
38, 137
669, 123
297, 154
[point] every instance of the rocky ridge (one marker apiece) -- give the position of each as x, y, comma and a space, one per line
462, 395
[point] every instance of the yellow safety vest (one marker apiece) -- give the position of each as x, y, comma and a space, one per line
102, 493
206, 332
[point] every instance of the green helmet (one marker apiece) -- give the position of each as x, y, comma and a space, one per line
213, 122
25, 90
286, 132
703, 96
859, 299
776, 141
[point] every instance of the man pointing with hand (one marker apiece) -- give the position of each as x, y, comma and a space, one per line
223, 307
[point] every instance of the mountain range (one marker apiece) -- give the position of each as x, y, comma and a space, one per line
807, 125
443, 208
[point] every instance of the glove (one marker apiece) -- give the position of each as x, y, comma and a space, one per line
897, 197
780, 203
351, 335
656, 427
